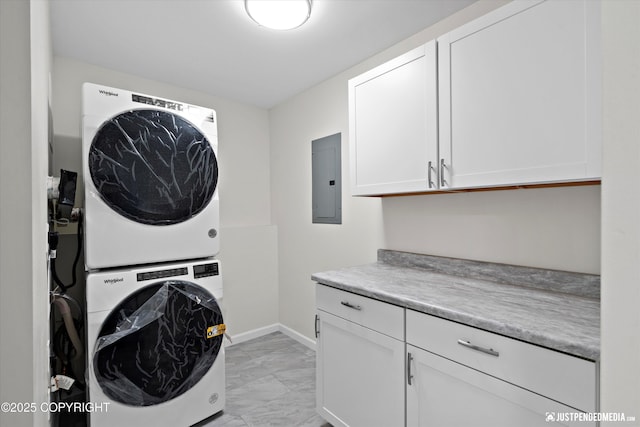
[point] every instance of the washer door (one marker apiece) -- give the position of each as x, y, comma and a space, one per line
153, 167
158, 343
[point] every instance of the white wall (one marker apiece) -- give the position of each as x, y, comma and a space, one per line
25, 58
257, 192
250, 300
558, 228
552, 228
620, 368
304, 247
555, 228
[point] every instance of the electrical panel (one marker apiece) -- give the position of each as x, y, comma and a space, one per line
326, 180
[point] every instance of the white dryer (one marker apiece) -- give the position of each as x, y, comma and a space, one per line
155, 353
150, 175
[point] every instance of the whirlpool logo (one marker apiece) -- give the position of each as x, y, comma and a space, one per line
107, 92
113, 281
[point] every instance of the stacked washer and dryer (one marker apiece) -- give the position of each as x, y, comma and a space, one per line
154, 289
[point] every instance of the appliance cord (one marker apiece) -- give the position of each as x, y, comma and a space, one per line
53, 244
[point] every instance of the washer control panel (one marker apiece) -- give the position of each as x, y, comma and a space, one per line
206, 270
160, 274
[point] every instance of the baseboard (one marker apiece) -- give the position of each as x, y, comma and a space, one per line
265, 330
302, 339
254, 333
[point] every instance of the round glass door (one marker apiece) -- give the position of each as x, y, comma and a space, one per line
153, 167
158, 343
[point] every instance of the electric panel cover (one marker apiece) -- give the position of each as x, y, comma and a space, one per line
326, 180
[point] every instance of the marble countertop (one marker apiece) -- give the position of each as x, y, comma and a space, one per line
553, 309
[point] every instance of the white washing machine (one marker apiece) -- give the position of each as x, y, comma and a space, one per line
150, 175
155, 354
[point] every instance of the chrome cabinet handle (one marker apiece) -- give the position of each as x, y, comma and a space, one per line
315, 326
409, 374
488, 351
442, 168
348, 304
429, 180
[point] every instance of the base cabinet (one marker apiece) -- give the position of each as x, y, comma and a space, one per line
459, 376
443, 393
359, 360
378, 364
359, 375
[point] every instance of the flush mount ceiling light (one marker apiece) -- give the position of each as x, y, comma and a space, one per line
279, 14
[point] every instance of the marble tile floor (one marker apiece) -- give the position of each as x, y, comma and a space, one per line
270, 382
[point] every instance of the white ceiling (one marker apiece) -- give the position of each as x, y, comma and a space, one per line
212, 46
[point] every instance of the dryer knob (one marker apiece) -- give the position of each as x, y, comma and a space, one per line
213, 398
213, 232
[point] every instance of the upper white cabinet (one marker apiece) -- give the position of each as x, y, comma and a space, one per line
519, 96
393, 125
516, 98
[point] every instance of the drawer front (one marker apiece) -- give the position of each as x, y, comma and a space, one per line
373, 314
567, 379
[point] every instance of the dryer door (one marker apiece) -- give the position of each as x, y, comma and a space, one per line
153, 167
158, 343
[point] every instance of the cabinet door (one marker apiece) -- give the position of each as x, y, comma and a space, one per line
567, 379
360, 375
393, 125
443, 393
519, 96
